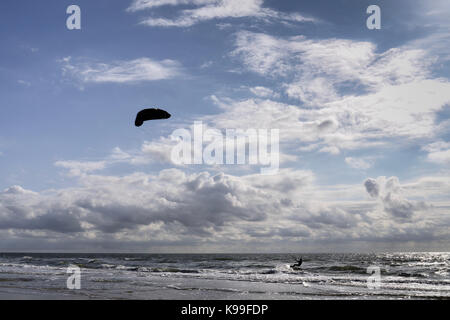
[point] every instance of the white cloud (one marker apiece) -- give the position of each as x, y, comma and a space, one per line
18, 190
401, 110
150, 152
175, 207
328, 130
359, 163
255, 113
24, 83
438, 152
263, 92
138, 5
77, 168
435, 18
442, 157
371, 96
218, 9
329, 63
159, 151
390, 193
315, 92
436, 187
142, 69
285, 182
206, 64
119, 154
331, 150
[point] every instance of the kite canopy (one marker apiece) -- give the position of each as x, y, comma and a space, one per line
150, 114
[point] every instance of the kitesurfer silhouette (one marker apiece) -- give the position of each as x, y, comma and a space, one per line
298, 264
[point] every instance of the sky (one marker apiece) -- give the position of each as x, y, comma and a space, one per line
363, 118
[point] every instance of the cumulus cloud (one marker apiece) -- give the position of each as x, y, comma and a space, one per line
372, 187
327, 130
389, 192
263, 92
435, 187
315, 91
138, 70
331, 150
198, 203
216, 9
174, 207
25, 209
155, 151
77, 168
438, 152
327, 125
286, 181
193, 204
17, 190
256, 113
358, 163
334, 217
372, 96
150, 152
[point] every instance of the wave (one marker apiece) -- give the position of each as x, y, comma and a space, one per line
174, 270
16, 279
347, 268
171, 286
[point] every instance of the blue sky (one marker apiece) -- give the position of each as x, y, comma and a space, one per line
70, 155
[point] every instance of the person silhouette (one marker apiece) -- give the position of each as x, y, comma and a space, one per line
298, 264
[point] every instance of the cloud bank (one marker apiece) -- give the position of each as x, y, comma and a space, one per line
207, 209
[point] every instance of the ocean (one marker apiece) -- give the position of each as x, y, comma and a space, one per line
226, 276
